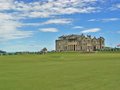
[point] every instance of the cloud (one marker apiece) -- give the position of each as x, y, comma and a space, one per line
115, 6
105, 19
6, 4
92, 20
92, 30
58, 21
118, 32
10, 28
110, 19
4, 16
48, 8
48, 30
36, 14
12, 12
78, 27
31, 24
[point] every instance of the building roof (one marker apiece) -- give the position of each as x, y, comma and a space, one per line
75, 36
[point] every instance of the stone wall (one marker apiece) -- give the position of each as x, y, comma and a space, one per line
79, 43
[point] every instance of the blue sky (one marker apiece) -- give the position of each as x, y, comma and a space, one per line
30, 25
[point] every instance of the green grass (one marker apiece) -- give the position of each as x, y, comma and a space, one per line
60, 71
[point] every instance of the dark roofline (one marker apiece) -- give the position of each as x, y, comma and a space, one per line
82, 35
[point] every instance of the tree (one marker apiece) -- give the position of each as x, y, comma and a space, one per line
44, 50
2, 52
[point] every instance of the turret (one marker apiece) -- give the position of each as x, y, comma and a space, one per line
102, 42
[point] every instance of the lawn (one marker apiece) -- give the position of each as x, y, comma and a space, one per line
60, 71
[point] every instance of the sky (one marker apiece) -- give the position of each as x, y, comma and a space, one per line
30, 25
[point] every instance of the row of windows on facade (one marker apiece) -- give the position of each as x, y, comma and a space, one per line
84, 41
78, 47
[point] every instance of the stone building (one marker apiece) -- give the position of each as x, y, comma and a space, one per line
79, 43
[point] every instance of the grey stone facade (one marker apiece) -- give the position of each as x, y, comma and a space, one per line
79, 43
